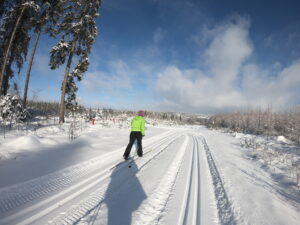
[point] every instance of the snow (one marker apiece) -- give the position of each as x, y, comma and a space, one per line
282, 139
259, 195
188, 175
60, 46
31, 4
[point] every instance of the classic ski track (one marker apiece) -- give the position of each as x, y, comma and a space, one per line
158, 198
190, 209
38, 187
77, 212
33, 189
224, 205
16, 195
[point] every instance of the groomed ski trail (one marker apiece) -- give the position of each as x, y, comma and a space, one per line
186, 178
186, 194
53, 193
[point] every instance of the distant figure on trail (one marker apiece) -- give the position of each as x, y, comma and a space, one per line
137, 133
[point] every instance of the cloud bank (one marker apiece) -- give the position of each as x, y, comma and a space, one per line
229, 80
226, 76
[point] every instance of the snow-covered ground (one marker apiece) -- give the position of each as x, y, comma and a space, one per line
188, 175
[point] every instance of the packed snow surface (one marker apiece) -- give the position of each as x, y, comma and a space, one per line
187, 175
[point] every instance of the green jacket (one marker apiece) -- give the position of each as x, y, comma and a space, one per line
138, 124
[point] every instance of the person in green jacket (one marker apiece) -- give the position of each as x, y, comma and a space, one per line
137, 133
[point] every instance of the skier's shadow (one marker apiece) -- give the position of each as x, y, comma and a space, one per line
124, 195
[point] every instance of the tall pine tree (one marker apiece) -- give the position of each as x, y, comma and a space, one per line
78, 30
14, 39
50, 12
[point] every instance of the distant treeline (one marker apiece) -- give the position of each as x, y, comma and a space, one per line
46, 108
167, 116
261, 122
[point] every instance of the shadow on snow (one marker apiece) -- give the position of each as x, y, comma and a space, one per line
123, 196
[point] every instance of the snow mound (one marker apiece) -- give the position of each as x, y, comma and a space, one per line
282, 139
15, 147
48, 141
25, 142
237, 135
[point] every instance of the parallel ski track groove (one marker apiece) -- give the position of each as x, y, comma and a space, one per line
182, 211
186, 211
76, 213
194, 174
225, 211
15, 196
199, 186
151, 211
18, 199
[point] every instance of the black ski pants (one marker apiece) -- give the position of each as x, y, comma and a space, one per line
134, 135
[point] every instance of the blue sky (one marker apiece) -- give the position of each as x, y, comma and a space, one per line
187, 56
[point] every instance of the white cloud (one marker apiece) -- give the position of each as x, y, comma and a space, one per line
280, 89
229, 82
117, 78
228, 50
183, 93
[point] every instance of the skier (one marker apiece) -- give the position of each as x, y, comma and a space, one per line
137, 133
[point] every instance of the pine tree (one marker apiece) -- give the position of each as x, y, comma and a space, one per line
2, 9
49, 14
5, 5
79, 31
14, 39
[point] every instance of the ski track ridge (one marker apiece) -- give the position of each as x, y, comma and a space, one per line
150, 211
190, 210
19, 194
77, 212
224, 206
183, 210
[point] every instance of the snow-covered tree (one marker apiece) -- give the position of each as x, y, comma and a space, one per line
11, 109
78, 30
14, 39
48, 15
2, 8
6, 5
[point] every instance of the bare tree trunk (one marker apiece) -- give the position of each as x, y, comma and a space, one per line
297, 115
64, 85
5, 56
259, 121
29, 67
5, 82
